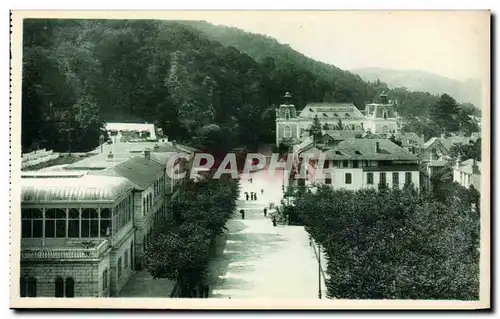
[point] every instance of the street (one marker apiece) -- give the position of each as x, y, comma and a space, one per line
262, 261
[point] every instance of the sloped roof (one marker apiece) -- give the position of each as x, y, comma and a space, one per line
86, 188
138, 170
410, 136
341, 134
331, 111
365, 149
448, 142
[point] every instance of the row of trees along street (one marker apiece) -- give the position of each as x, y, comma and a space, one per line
183, 249
395, 244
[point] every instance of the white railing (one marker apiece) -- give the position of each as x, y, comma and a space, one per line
63, 253
37, 157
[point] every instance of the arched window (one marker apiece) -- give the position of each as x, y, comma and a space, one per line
358, 127
287, 132
105, 222
70, 287
287, 114
105, 280
119, 267
31, 287
384, 113
59, 291
23, 287
385, 129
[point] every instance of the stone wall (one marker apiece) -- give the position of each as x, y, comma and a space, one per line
85, 274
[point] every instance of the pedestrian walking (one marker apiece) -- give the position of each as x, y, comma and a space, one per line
242, 212
255, 196
251, 180
246, 195
251, 195
265, 212
262, 191
275, 223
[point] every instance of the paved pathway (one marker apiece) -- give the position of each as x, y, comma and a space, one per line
262, 261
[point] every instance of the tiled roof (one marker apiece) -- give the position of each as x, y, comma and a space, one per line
341, 134
138, 170
448, 142
365, 149
331, 111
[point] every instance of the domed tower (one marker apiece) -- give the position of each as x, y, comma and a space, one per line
286, 121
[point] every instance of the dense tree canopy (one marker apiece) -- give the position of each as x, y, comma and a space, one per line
394, 244
182, 76
182, 251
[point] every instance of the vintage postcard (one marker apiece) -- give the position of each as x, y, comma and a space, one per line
250, 159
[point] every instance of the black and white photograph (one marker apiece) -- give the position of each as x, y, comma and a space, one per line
250, 159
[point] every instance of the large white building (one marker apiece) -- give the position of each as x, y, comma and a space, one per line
361, 163
468, 173
377, 118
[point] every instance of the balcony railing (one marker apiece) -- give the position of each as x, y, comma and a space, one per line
65, 253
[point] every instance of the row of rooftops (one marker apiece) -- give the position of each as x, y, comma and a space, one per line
362, 149
100, 178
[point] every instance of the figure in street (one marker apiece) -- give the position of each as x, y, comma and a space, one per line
246, 195
274, 221
251, 195
255, 196
251, 180
265, 212
242, 212
261, 191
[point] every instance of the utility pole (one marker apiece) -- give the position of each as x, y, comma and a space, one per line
319, 271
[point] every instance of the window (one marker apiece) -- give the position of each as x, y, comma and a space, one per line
408, 178
355, 164
55, 223
23, 287
105, 280
90, 223
74, 223
366, 163
70, 287
105, 222
328, 181
383, 180
29, 289
287, 114
369, 178
131, 254
59, 291
348, 178
125, 260
326, 164
31, 223
119, 267
287, 133
395, 179
345, 163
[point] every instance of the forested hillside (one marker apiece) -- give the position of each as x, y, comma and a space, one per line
213, 87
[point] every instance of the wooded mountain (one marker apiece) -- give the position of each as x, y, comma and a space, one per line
213, 87
468, 91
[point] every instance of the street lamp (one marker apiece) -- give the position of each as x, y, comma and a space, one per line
319, 271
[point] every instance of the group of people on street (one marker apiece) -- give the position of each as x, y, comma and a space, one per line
253, 195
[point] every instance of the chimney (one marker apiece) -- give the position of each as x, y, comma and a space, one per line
377, 147
147, 154
110, 155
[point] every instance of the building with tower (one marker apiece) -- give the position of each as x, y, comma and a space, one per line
378, 118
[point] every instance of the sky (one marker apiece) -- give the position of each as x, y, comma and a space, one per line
449, 43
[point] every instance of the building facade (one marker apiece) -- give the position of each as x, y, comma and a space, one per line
377, 118
468, 173
361, 163
77, 235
